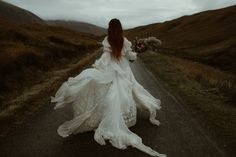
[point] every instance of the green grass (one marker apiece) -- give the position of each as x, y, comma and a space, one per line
209, 105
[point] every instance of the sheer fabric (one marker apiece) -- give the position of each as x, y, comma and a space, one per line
104, 99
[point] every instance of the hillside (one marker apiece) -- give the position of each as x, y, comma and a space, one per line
14, 13
79, 26
29, 50
208, 37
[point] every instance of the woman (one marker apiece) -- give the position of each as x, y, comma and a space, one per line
104, 97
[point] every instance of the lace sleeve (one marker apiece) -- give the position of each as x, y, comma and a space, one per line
129, 53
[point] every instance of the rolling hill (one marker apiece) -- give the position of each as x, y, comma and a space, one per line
208, 37
78, 26
29, 49
14, 13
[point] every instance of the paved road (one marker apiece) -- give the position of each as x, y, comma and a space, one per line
177, 136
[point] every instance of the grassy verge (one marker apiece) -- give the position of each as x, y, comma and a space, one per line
38, 95
28, 51
210, 105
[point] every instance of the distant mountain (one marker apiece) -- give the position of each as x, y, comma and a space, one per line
79, 26
208, 37
14, 13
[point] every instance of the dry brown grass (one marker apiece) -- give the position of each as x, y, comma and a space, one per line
52, 78
208, 37
211, 75
212, 107
35, 97
28, 50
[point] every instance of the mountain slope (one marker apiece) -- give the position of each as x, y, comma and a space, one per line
208, 37
14, 13
28, 51
79, 26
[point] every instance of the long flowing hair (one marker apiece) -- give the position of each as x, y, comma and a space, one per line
115, 37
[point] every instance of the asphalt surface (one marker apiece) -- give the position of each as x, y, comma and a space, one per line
178, 135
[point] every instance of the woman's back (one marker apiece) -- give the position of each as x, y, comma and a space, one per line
126, 53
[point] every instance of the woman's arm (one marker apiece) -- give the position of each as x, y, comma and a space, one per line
130, 54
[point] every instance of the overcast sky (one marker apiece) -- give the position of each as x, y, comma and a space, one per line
132, 13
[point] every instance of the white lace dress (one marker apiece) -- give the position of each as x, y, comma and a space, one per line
104, 99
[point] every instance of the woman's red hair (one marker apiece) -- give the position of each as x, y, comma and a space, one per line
115, 37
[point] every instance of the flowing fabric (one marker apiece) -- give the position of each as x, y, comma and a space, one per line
104, 98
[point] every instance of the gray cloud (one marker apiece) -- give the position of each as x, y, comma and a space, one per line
132, 13
213, 4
